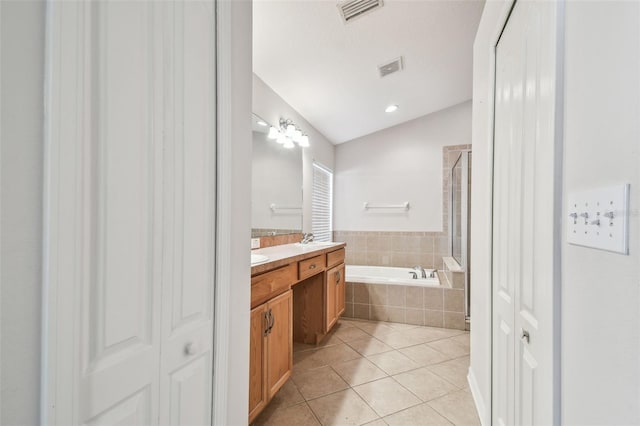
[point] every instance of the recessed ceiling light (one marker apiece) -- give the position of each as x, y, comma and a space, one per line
262, 123
391, 108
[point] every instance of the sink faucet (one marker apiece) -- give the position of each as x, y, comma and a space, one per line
420, 269
306, 238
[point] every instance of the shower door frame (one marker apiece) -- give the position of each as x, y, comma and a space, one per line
465, 224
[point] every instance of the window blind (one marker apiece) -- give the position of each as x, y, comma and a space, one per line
322, 203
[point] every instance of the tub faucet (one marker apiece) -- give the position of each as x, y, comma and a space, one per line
307, 238
420, 269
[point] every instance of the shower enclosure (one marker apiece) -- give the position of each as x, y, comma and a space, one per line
460, 219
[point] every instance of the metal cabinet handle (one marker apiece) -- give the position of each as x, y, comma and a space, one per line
338, 276
312, 266
190, 349
266, 323
524, 335
273, 320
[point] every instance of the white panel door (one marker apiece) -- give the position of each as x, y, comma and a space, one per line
189, 215
525, 221
130, 189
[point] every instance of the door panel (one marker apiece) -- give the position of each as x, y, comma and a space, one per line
526, 190
340, 292
257, 362
189, 214
120, 304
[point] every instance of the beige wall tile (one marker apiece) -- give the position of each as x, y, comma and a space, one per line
379, 313
433, 298
414, 297
348, 293
395, 295
348, 310
414, 316
360, 293
457, 279
433, 318
361, 311
395, 314
453, 300
378, 294
454, 320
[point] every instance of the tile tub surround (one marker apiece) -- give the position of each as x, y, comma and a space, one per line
405, 249
430, 306
355, 378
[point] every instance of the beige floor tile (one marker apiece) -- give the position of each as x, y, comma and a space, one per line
422, 415
308, 360
393, 362
299, 415
330, 340
429, 334
342, 408
386, 396
345, 323
425, 384
378, 422
369, 346
319, 382
350, 334
450, 347
374, 327
425, 354
399, 326
287, 396
398, 340
454, 371
458, 407
358, 371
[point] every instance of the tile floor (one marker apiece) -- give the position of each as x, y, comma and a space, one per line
377, 373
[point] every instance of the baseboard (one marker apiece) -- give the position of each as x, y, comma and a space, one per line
477, 398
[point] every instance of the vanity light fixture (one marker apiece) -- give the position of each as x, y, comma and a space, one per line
287, 133
391, 108
261, 123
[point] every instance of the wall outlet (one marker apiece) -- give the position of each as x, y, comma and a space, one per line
255, 243
599, 218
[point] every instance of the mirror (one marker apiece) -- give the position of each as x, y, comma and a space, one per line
276, 185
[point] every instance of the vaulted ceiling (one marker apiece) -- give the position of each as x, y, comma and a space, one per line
328, 69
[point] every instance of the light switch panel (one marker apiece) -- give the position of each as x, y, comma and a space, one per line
599, 218
255, 243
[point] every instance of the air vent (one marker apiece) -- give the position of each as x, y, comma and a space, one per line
353, 9
391, 67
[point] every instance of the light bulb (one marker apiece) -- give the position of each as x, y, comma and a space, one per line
304, 141
290, 130
262, 123
281, 138
391, 108
288, 144
297, 135
273, 133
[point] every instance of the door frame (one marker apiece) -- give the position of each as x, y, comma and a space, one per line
501, 22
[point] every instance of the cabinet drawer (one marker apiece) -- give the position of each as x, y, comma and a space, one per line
335, 258
310, 267
270, 284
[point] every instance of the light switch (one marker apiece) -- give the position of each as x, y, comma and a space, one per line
255, 243
599, 218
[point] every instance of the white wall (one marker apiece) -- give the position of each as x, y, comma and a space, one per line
21, 153
600, 330
268, 105
601, 291
398, 164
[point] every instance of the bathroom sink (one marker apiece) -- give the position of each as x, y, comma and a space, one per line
316, 244
258, 258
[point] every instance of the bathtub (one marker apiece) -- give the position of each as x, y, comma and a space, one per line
388, 275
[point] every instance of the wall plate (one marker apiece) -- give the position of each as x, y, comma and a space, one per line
599, 218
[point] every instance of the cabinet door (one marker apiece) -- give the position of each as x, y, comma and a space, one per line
279, 342
257, 362
340, 291
331, 314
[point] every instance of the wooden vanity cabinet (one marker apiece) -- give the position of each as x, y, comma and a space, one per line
334, 288
271, 350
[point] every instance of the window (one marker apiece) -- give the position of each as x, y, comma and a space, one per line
322, 203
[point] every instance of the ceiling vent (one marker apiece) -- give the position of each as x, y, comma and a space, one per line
352, 9
391, 67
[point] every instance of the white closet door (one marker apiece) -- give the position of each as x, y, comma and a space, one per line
527, 183
189, 215
130, 211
